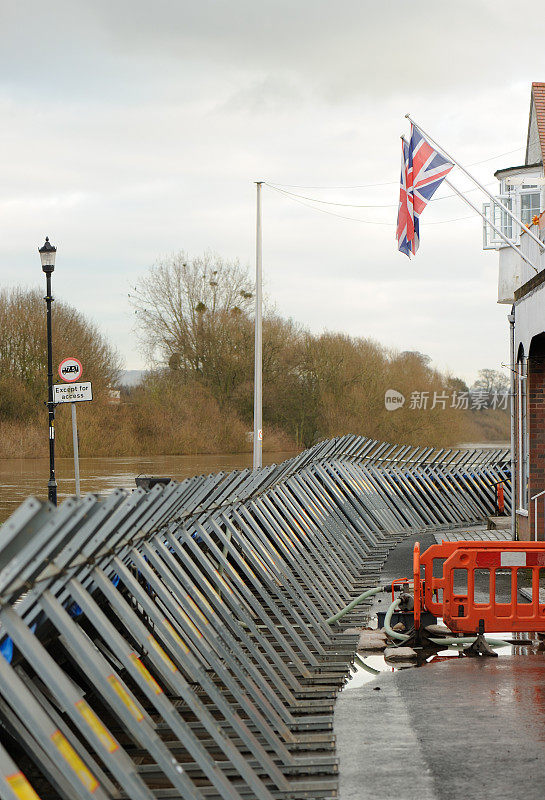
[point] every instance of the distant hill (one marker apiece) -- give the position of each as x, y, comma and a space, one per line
131, 377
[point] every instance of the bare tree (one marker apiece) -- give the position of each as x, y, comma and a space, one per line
491, 380
181, 300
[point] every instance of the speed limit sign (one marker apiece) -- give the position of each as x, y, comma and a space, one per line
70, 370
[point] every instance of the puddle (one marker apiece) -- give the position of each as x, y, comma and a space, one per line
376, 661
361, 676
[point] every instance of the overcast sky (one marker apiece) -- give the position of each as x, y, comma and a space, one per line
133, 129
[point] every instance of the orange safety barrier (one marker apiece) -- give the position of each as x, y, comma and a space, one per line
500, 498
499, 490
470, 606
417, 589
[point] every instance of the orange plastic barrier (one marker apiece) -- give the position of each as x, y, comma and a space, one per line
464, 588
417, 586
501, 498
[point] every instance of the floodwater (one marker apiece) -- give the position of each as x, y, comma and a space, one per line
370, 664
21, 477
377, 663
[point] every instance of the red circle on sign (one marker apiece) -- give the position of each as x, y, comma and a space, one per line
70, 370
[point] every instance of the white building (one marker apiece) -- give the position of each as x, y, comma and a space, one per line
522, 190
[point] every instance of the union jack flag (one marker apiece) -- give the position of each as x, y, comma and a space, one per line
422, 171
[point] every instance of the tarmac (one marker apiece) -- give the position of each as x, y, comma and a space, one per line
454, 729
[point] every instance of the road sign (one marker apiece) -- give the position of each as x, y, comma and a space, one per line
73, 393
70, 370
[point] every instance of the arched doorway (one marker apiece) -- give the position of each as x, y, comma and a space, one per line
533, 436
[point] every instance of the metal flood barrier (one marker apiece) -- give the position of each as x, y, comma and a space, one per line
172, 642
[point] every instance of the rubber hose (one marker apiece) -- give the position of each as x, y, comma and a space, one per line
340, 614
365, 666
401, 637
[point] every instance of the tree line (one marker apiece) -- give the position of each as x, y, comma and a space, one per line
194, 323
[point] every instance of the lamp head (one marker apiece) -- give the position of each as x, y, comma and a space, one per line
47, 255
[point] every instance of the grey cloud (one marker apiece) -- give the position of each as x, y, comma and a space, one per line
270, 94
338, 51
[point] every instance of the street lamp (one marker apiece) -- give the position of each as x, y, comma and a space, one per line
47, 257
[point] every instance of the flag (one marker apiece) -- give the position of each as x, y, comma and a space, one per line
405, 222
423, 169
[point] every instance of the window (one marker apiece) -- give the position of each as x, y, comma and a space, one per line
520, 197
500, 219
529, 206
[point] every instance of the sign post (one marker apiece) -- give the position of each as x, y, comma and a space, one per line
70, 370
76, 448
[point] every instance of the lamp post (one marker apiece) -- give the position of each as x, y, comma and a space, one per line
47, 256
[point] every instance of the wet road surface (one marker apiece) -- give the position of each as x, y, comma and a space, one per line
454, 730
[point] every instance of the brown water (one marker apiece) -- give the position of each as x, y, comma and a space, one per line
21, 477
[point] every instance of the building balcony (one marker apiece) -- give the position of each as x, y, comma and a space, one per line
522, 191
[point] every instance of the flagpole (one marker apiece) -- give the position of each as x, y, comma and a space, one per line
488, 222
258, 354
476, 182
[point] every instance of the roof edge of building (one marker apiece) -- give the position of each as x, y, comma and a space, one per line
537, 93
519, 168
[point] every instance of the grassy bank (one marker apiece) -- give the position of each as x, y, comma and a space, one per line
192, 423
176, 423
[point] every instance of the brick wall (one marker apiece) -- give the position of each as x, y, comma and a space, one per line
536, 433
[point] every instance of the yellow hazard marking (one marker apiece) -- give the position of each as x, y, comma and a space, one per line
260, 561
265, 555
190, 622
74, 761
223, 582
160, 652
197, 609
21, 787
178, 639
236, 576
217, 592
250, 570
145, 673
125, 697
106, 738
204, 600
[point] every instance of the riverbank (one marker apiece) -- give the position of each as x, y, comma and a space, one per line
197, 426
202, 428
